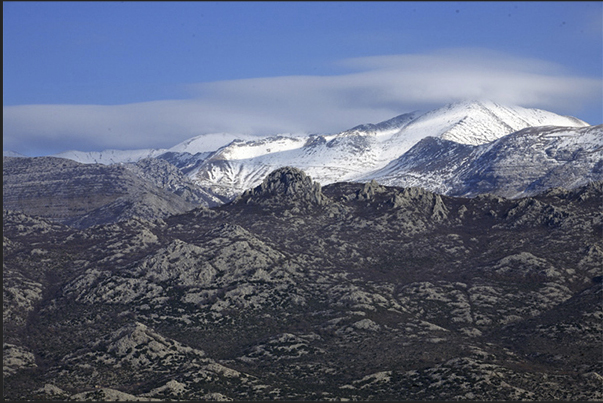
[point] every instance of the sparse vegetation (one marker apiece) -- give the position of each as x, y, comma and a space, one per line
296, 292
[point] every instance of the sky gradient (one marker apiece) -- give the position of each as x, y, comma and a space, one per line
126, 75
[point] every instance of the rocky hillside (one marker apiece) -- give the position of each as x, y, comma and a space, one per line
82, 195
300, 292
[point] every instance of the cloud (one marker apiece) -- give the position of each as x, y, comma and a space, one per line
371, 89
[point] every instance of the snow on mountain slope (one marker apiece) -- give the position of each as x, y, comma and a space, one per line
107, 157
428, 164
470, 123
385, 129
243, 165
355, 153
208, 142
482, 122
532, 160
183, 153
233, 168
520, 164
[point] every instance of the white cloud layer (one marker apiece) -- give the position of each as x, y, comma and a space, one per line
374, 89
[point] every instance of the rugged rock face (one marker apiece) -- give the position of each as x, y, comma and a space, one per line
350, 291
285, 184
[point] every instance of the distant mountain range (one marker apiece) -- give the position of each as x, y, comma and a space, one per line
461, 149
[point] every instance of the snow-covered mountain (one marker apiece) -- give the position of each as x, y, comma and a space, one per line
358, 154
184, 153
107, 157
520, 164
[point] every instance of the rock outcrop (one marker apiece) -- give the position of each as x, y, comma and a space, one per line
285, 184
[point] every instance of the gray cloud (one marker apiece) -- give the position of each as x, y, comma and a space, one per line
372, 89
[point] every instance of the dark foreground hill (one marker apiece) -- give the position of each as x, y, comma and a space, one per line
293, 291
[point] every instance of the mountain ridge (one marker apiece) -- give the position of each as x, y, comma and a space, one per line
462, 149
533, 117
89, 194
354, 153
520, 164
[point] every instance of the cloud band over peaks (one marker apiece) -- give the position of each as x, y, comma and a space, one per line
371, 90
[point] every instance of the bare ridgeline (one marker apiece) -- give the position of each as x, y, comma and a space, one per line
132, 282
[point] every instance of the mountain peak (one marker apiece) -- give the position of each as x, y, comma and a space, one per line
286, 183
395, 123
477, 122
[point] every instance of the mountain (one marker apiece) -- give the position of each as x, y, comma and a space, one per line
482, 122
181, 154
355, 153
108, 157
297, 291
462, 149
523, 163
82, 195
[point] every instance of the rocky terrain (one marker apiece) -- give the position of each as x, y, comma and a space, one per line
297, 291
82, 195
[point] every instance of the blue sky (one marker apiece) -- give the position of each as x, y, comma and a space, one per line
126, 75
